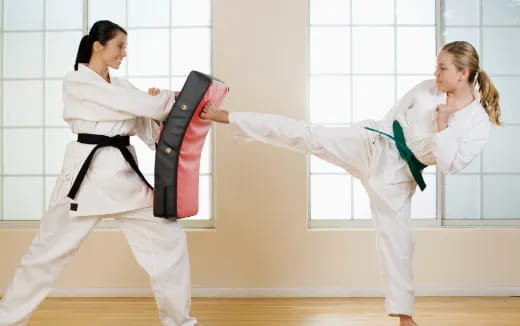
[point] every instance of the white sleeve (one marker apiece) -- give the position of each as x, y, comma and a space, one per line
454, 148
342, 146
148, 130
122, 98
405, 102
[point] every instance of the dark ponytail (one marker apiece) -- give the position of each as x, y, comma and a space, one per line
102, 31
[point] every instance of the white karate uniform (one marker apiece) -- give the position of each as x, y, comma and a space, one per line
375, 161
111, 189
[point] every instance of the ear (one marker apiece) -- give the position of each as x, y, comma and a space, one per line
464, 73
97, 46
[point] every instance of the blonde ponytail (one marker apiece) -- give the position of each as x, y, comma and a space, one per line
489, 97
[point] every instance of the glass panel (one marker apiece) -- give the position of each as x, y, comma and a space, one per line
471, 35
191, 50
361, 202
177, 83
501, 12
145, 83
461, 12
149, 14
23, 14
508, 88
502, 153
329, 50
420, 12
424, 202
319, 165
500, 55
366, 53
330, 196
23, 152
205, 157
23, 103
366, 104
56, 141
501, 196
329, 11
23, 55
416, 51
24, 200
54, 103
204, 199
55, 17
145, 156
191, 12
50, 183
113, 10
364, 12
474, 166
61, 50
462, 196
330, 99
148, 52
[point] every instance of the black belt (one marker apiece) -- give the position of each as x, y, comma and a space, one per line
100, 141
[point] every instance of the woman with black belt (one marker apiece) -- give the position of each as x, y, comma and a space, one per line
100, 179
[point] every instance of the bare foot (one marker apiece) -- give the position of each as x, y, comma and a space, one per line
210, 112
407, 321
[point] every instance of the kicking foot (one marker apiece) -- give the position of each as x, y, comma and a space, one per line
210, 112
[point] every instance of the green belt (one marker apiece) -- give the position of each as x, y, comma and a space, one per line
416, 167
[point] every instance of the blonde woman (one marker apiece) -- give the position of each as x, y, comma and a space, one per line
443, 122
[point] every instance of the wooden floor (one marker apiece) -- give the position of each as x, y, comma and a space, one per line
438, 311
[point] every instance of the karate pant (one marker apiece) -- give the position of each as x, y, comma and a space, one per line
159, 246
375, 161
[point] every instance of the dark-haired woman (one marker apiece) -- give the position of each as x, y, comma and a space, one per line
100, 179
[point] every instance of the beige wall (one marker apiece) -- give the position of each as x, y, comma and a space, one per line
261, 244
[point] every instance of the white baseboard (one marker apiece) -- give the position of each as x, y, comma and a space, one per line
485, 291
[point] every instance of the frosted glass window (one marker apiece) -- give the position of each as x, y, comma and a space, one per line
502, 153
329, 50
462, 197
330, 196
501, 12
415, 50
60, 52
501, 196
23, 55
191, 12
509, 97
368, 45
330, 99
150, 14
56, 140
23, 152
145, 83
330, 11
321, 166
470, 34
54, 103
23, 103
204, 199
113, 10
423, 202
55, 17
23, 14
417, 12
148, 52
145, 156
361, 202
461, 12
500, 54
373, 96
177, 83
376, 12
191, 50
406, 83
24, 200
